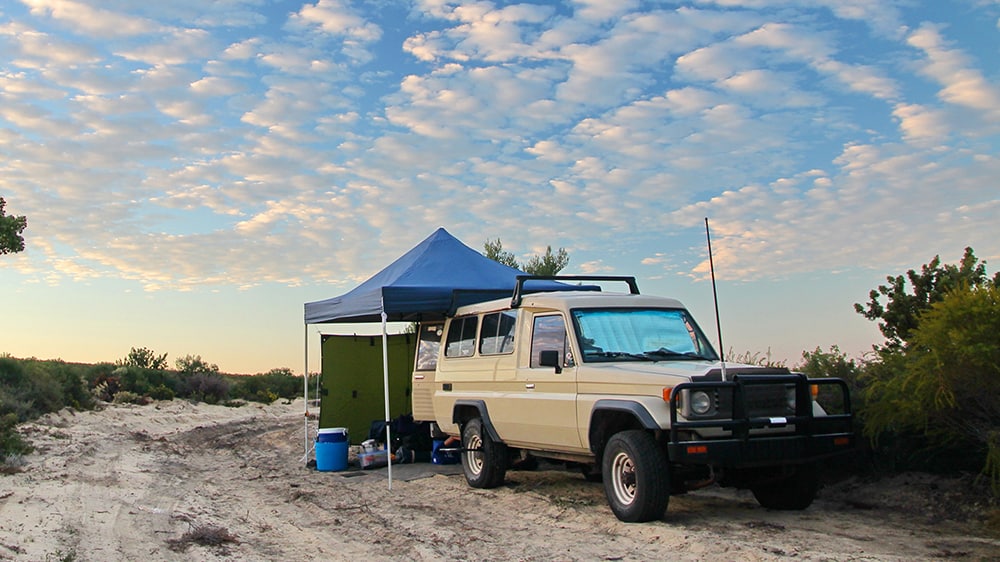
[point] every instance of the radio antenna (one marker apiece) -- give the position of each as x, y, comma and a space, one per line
715, 297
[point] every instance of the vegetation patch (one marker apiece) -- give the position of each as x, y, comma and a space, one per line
204, 535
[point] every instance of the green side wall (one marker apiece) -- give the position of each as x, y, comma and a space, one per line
352, 381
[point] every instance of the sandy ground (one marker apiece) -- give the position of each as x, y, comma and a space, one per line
128, 482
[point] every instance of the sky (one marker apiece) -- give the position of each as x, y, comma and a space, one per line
194, 172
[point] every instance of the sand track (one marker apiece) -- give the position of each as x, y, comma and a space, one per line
120, 483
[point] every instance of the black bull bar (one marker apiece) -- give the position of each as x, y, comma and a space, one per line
808, 437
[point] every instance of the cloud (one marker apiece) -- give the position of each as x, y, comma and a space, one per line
336, 19
93, 21
315, 144
962, 84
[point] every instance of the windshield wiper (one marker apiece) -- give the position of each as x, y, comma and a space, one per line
613, 354
669, 353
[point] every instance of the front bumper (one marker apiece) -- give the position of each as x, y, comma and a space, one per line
800, 438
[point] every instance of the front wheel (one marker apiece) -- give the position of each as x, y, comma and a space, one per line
636, 476
484, 461
795, 492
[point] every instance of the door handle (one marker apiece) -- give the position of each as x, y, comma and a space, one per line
530, 386
418, 377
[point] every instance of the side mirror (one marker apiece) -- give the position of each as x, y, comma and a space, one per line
550, 358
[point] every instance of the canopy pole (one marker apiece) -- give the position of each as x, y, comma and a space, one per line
385, 384
305, 392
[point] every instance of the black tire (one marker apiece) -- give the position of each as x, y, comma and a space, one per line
484, 461
793, 493
636, 476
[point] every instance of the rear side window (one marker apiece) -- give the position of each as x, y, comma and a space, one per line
498, 333
428, 345
461, 337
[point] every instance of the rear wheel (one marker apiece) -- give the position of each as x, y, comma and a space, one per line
636, 476
484, 461
793, 493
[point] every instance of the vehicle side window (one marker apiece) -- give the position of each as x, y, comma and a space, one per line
548, 333
497, 335
428, 346
461, 337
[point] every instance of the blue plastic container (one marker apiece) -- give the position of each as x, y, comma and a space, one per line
331, 449
444, 455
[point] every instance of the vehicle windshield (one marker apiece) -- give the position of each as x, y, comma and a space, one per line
641, 334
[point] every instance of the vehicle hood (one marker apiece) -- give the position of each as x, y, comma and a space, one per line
684, 369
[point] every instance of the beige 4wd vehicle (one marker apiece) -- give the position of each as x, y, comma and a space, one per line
627, 387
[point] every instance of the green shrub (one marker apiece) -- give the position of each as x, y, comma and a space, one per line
74, 388
944, 385
11, 442
266, 396
270, 386
129, 397
11, 372
161, 392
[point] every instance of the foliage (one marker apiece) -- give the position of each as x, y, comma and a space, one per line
105, 386
546, 264
494, 250
835, 363
191, 364
11, 442
31, 388
945, 386
145, 359
208, 387
900, 315
11, 227
270, 386
129, 397
162, 392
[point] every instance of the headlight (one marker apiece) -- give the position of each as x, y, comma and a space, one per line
701, 403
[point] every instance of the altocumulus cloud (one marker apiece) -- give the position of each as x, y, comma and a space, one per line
186, 144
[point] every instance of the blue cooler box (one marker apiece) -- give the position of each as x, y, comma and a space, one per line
331, 449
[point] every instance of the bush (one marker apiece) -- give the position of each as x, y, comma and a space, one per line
11, 442
128, 397
211, 388
270, 386
945, 384
11, 372
161, 392
74, 389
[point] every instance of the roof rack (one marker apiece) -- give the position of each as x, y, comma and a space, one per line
515, 301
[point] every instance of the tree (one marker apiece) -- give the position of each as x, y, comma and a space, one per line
946, 384
145, 358
495, 251
11, 228
546, 264
899, 316
192, 364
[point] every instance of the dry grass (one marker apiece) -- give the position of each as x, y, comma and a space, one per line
204, 535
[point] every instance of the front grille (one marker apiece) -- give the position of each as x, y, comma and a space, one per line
762, 400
